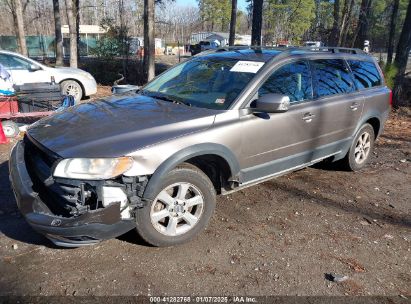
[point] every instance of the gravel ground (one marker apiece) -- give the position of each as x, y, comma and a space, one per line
277, 238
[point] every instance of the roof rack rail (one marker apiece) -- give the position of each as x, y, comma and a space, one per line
223, 49
287, 50
332, 49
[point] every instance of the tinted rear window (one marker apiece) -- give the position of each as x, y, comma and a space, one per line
365, 74
331, 77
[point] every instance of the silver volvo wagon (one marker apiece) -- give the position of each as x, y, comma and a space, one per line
154, 160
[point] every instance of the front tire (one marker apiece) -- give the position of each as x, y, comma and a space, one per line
182, 208
72, 88
361, 148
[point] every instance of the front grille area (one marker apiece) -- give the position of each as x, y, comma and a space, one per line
70, 197
39, 162
60, 199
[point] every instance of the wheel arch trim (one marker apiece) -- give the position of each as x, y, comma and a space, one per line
365, 118
186, 154
361, 122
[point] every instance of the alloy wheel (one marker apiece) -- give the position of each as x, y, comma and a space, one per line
362, 147
177, 209
73, 90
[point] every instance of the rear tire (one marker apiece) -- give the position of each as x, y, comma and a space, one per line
10, 128
361, 149
72, 88
182, 208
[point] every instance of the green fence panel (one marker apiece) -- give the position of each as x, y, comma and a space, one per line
8, 43
44, 46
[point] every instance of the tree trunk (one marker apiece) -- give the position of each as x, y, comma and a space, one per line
149, 43
401, 56
345, 30
21, 37
233, 22
73, 33
257, 22
77, 15
335, 32
363, 21
393, 25
57, 31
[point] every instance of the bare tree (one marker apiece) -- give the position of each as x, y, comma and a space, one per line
71, 20
335, 33
149, 42
59, 36
175, 22
257, 22
233, 22
21, 37
393, 25
401, 56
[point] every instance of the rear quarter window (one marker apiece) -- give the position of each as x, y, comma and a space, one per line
365, 74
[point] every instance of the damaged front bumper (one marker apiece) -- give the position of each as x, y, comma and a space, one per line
87, 228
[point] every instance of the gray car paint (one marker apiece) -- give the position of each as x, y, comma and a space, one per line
261, 145
118, 126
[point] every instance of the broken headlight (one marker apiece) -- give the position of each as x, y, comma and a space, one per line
92, 168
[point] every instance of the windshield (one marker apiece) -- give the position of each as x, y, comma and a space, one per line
206, 83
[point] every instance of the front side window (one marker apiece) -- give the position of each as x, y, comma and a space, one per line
331, 77
209, 83
365, 74
293, 80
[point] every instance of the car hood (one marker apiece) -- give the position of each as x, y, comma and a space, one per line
117, 126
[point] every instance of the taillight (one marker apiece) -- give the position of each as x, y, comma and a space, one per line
390, 98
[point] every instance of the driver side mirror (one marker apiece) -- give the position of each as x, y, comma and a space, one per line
273, 103
34, 67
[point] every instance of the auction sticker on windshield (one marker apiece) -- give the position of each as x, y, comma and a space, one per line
247, 66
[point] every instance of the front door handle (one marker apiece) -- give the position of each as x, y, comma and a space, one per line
354, 106
308, 117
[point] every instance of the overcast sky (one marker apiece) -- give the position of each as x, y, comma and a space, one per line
241, 3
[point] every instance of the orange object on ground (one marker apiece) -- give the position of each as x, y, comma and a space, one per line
8, 105
3, 138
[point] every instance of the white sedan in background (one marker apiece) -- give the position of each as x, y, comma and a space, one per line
75, 82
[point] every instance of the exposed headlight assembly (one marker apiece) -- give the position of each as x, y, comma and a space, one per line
92, 168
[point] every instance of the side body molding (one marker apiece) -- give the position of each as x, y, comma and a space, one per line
185, 154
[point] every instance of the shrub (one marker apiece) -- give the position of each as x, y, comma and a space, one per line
390, 72
107, 48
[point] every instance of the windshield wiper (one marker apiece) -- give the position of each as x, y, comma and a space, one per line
183, 102
166, 98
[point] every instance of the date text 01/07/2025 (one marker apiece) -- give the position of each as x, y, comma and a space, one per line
203, 299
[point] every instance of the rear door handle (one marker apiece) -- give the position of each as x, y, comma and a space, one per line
354, 106
308, 117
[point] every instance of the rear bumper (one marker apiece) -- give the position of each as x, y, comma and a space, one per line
86, 229
384, 118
